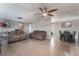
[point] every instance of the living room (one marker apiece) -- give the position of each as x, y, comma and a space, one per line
34, 29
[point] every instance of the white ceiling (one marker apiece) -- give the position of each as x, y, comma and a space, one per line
10, 11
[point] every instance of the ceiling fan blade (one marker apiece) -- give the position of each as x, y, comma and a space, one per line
52, 10
50, 14
45, 9
41, 9
38, 14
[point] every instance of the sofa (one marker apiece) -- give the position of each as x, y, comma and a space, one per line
16, 35
40, 35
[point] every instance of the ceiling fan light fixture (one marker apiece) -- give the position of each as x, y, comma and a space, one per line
44, 14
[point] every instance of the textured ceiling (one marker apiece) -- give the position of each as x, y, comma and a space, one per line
10, 11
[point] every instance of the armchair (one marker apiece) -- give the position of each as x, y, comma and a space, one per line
40, 35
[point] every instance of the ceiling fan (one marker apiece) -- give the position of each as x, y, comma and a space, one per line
46, 12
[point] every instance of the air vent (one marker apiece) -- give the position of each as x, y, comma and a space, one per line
19, 17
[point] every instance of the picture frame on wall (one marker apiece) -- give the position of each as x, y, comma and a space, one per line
4, 25
66, 24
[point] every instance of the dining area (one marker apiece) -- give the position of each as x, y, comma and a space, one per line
68, 36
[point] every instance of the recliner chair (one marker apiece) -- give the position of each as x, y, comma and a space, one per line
40, 35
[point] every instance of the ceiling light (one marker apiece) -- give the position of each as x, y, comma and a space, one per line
44, 14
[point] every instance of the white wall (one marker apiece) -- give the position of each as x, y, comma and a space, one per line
30, 27
57, 26
43, 24
26, 28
